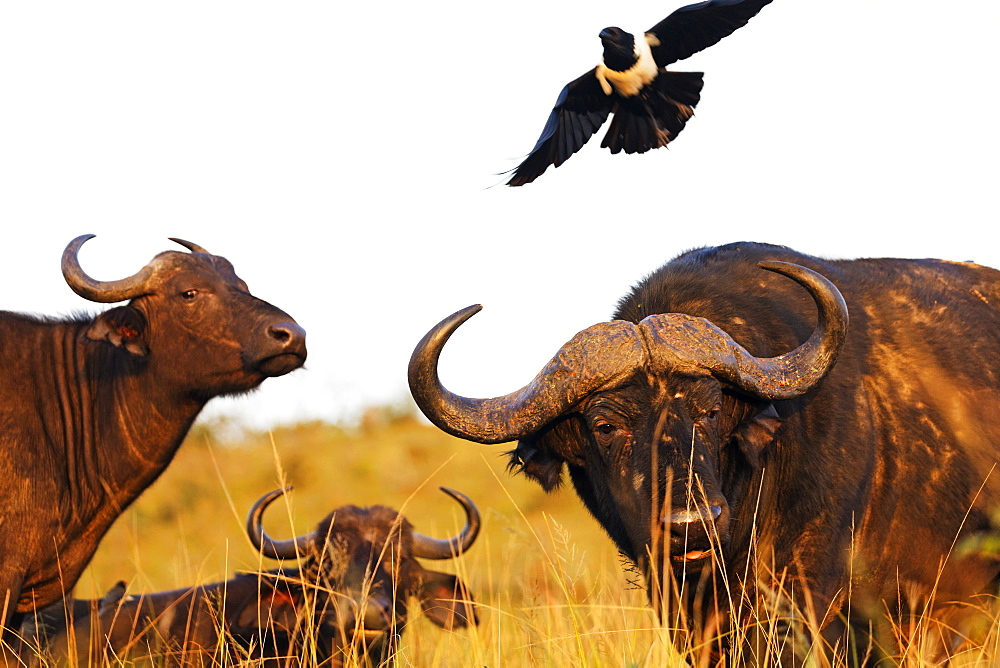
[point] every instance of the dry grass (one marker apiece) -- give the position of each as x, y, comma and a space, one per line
550, 586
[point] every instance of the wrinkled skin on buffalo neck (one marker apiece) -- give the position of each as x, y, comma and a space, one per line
94, 408
80, 469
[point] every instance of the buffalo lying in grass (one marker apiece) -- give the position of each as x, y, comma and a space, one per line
347, 598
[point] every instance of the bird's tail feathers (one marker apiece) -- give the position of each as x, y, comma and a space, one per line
631, 129
655, 116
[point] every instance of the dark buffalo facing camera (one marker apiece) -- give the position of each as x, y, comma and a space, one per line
742, 445
345, 603
93, 408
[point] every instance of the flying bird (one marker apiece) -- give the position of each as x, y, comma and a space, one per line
650, 105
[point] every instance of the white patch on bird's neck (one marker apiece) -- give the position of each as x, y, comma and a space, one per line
631, 81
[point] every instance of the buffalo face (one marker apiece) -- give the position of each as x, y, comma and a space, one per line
660, 423
193, 318
663, 462
363, 563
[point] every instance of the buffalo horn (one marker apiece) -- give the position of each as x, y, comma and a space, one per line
191, 246
292, 548
595, 357
426, 547
680, 342
604, 353
104, 292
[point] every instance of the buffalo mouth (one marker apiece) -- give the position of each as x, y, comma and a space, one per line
371, 636
360, 642
693, 556
692, 535
364, 640
279, 365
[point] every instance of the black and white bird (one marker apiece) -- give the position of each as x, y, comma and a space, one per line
650, 104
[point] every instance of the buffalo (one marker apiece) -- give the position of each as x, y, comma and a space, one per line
347, 600
743, 447
93, 408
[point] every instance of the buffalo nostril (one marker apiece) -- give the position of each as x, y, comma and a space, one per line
376, 615
287, 332
701, 514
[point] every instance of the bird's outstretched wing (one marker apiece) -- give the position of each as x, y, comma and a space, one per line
695, 27
581, 109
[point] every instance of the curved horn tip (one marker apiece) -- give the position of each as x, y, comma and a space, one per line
455, 494
442, 332
275, 549
73, 247
424, 363
805, 366
797, 271
82, 238
781, 267
466, 313
792, 270
261, 504
190, 245
471, 512
425, 547
448, 326
274, 494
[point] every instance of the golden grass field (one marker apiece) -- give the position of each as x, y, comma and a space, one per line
550, 585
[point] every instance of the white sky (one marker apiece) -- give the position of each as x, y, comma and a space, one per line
341, 156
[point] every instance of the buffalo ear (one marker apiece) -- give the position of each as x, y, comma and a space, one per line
272, 605
123, 327
542, 455
537, 463
754, 435
446, 600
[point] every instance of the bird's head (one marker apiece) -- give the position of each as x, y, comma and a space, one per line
619, 49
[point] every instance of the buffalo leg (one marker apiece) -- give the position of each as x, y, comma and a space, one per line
11, 645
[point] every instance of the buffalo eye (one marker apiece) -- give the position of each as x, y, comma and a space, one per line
708, 416
189, 295
605, 433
